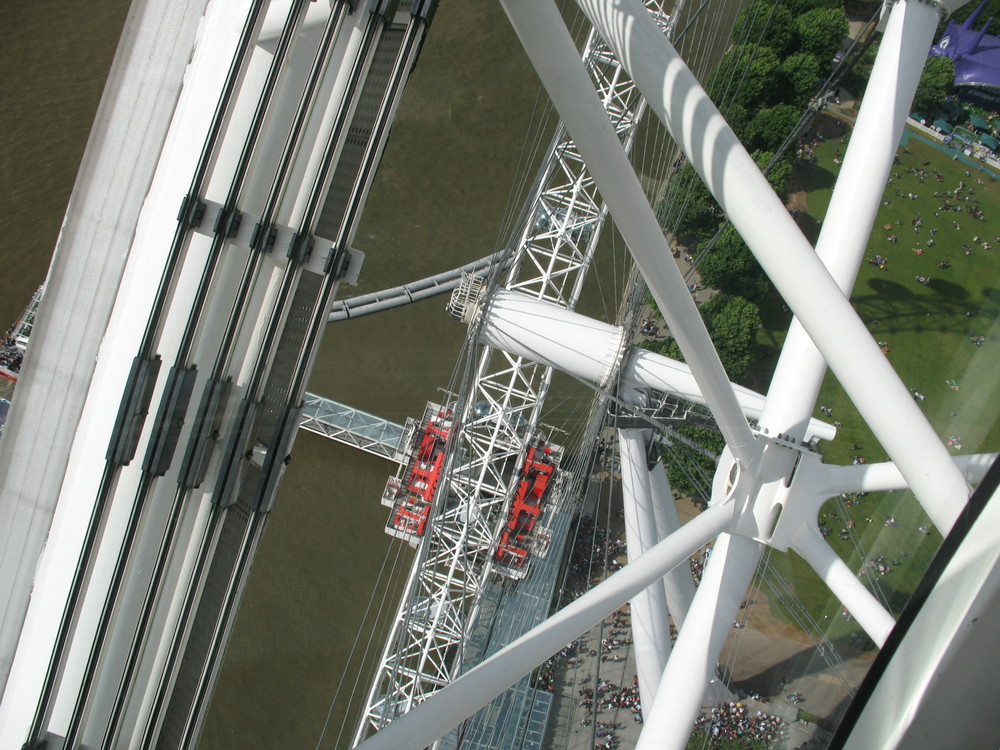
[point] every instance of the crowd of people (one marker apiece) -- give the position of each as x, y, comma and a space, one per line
596, 553
11, 359
734, 721
10, 356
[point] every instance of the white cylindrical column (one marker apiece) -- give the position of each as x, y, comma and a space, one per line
668, 722
552, 335
885, 476
646, 369
650, 621
860, 602
589, 349
678, 585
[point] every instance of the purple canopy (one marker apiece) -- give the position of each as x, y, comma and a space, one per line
976, 53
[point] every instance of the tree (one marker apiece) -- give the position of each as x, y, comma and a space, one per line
820, 32
748, 75
733, 322
856, 80
688, 209
764, 22
801, 72
798, 7
936, 82
770, 127
731, 268
689, 471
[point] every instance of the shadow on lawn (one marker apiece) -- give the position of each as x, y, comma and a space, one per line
894, 307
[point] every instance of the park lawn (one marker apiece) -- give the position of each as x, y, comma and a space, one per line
927, 335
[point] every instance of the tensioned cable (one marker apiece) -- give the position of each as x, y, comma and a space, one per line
862, 553
808, 624
397, 545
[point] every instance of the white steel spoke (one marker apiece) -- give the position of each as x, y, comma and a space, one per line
692, 663
844, 583
678, 584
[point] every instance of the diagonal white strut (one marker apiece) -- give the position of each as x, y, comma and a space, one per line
477, 687
678, 583
552, 53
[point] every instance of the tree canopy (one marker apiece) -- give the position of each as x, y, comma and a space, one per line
748, 75
821, 31
730, 267
936, 83
733, 322
770, 127
767, 23
801, 73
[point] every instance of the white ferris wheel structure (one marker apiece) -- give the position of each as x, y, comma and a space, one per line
770, 482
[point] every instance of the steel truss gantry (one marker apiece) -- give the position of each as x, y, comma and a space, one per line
769, 483
499, 413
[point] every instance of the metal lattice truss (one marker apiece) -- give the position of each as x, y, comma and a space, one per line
499, 416
769, 484
355, 427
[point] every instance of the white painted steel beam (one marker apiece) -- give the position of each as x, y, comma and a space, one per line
650, 620
690, 671
879, 477
844, 583
589, 349
678, 585
551, 50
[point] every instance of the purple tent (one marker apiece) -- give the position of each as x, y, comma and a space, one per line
976, 53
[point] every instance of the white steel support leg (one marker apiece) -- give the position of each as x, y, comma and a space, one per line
856, 196
758, 214
553, 55
691, 669
885, 476
678, 585
650, 621
473, 690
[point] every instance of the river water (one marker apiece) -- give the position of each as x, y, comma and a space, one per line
443, 196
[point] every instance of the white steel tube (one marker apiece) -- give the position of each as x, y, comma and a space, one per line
520, 324
853, 207
553, 55
841, 580
668, 722
589, 349
650, 622
678, 585
807, 287
477, 687
885, 476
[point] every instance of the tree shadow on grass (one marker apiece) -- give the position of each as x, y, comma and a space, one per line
809, 225
817, 178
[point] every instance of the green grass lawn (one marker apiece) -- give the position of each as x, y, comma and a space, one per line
926, 329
